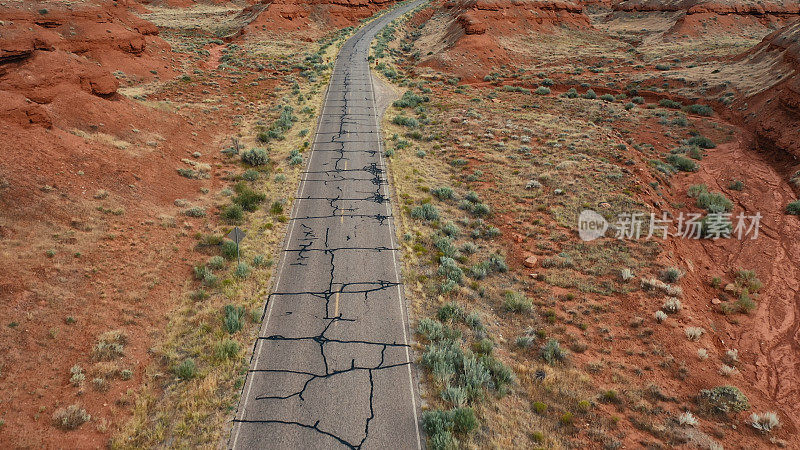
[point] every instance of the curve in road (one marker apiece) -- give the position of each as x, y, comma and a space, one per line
331, 366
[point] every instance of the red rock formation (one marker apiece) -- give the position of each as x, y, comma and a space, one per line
775, 113
315, 17
474, 26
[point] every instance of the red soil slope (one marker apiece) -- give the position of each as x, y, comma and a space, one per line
704, 16
86, 176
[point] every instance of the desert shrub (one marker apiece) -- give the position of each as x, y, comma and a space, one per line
450, 270
431, 329
228, 249
443, 193
195, 211
450, 229
671, 274
247, 198
793, 208
110, 345
736, 185
539, 407
250, 175
426, 211
516, 302
701, 110
714, 202
671, 305
405, 121
702, 142
242, 270
186, 370
724, 399
694, 333
682, 163
660, 316
667, 103
227, 349
663, 67
450, 311
590, 94
216, 262
764, 422
232, 318
638, 100
484, 346
71, 417
480, 209
551, 352
607, 98
233, 213
255, 157
542, 90
295, 158
410, 100
571, 93
687, 419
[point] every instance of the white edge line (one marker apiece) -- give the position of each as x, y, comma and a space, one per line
281, 266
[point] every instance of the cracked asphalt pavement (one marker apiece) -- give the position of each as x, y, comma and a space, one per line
331, 367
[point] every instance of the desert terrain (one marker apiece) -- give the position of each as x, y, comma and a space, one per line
137, 134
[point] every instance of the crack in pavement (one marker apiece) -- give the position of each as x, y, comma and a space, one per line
331, 360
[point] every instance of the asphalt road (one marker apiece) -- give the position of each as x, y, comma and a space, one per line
331, 366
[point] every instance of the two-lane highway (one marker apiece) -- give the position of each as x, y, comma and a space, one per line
331, 367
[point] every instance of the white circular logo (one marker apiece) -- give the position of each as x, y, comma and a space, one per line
591, 225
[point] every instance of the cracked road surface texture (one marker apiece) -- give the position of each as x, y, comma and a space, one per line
331, 366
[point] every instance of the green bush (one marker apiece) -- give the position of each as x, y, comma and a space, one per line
590, 94
542, 90
425, 211
571, 93
216, 262
701, 110
405, 121
516, 302
450, 311
250, 175
242, 270
793, 208
450, 270
736, 185
409, 100
186, 370
714, 202
667, 103
227, 349
233, 213
255, 157
552, 352
702, 142
607, 98
232, 318
724, 399
682, 163
247, 198
228, 249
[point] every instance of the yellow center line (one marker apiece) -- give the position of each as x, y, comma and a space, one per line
341, 218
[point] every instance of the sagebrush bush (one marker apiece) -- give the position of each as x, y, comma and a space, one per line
516, 302
255, 157
71, 417
764, 422
186, 370
233, 318
426, 211
551, 352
